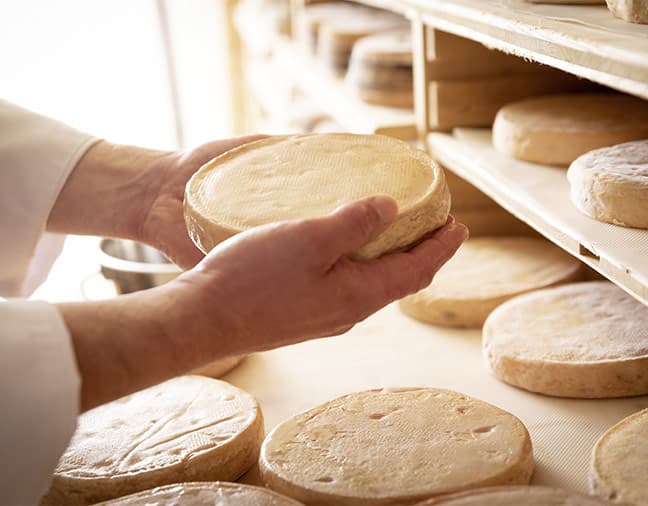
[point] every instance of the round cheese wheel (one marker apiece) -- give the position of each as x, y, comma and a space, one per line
585, 340
484, 273
395, 446
516, 496
202, 494
219, 368
305, 176
190, 428
611, 184
380, 69
557, 129
619, 470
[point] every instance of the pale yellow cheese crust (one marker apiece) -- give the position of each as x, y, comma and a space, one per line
395, 446
190, 428
204, 494
619, 469
583, 340
311, 175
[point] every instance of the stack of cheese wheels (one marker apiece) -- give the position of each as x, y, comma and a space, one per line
611, 184
336, 38
203, 494
583, 340
516, 496
275, 179
557, 129
484, 273
395, 446
619, 470
381, 69
190, 428
632, 11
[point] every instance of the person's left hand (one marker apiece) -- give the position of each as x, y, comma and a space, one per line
162, 224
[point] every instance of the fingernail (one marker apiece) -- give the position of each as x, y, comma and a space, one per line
455, 229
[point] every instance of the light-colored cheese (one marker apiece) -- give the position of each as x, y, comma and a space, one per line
204, 494
380, 69
190, 428
516, 496
395, 446
569, 2
611, 184
484, 273
632, 11
557, 129
583, 340
305, 176
619, 470
219, 368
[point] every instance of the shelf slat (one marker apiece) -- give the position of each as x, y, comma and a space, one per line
583, 40
539, 195
339, 100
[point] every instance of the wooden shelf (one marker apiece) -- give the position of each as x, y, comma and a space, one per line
337, 99
583, 40
539, 195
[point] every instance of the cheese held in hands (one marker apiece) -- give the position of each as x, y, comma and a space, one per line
307, 176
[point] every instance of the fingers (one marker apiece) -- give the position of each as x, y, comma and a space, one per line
352, 226
394, 276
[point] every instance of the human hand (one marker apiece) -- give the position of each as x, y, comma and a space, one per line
288, 282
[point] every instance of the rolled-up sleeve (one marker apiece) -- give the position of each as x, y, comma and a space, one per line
39, 380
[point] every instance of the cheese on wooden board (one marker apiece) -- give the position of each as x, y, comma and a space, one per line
557, 129
611, 184
619, 470
204, 494
190, 428
275, 179
632, 11
484, 273
380, 69
395, 446
584, 340
516, 496
219, 368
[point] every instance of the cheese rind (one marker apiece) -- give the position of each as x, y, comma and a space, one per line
395, 446
307, 176
618, 470
190, 428
204, 493
583, 340
486, 272
611, 184
516, 496
557, 129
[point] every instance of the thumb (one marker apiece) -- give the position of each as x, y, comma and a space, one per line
352, 226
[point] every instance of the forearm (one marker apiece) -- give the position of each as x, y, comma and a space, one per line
103, 194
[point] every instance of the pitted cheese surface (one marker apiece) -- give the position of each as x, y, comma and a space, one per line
185, 429
305, 176
395, 446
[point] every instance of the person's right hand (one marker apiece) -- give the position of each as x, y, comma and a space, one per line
289, 282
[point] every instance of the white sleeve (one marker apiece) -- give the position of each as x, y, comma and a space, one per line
37, 155
39, 393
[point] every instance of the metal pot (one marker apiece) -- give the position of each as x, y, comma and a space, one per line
133, 266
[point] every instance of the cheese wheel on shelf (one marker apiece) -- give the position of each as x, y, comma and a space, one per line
380, 69
611, 184
632, 11
219, 368
203, 494
395, 446
557, 129
305, 176
584, 340
484, 273
619, 470
190, 428
516, 496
